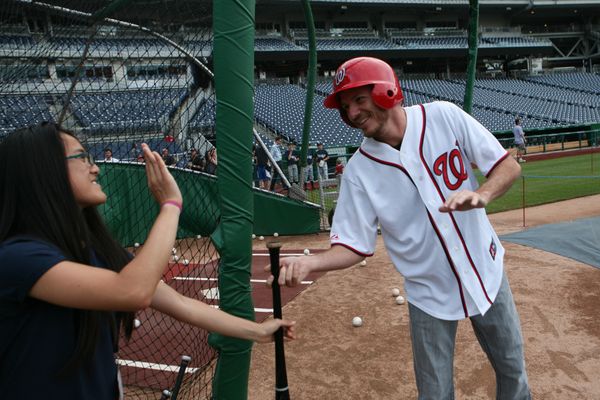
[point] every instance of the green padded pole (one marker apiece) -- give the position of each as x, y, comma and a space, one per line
472, 67
310, 86
233, 55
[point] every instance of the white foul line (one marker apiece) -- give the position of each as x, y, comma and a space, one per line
259, 310
158, 367
283, 255
191, 278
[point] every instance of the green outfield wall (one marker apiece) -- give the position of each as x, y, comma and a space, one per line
129, 199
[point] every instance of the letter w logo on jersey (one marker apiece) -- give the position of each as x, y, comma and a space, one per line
451, 161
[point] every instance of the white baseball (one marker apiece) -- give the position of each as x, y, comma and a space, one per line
306, 252
395, 292
136, 245
136, 323
261, 238
399, 300
198, 236
253, 236
276, 234
186, 262
174, 250
357, 321
175, 258
363, 263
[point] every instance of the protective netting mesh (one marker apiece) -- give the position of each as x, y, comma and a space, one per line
119, 73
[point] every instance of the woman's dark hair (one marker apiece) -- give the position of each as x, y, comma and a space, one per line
36, 199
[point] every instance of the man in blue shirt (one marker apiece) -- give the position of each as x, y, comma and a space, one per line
520, 140
276, 154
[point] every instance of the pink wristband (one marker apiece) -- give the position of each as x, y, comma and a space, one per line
173, 203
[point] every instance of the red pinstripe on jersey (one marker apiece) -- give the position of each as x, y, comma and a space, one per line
437, 187
435, 228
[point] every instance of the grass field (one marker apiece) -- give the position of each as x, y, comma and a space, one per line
552, 180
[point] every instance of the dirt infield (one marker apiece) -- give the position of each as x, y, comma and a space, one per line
558, 300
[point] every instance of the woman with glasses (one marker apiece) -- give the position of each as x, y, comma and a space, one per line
66, 286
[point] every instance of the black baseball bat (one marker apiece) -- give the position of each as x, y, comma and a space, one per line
282, 391
185, 360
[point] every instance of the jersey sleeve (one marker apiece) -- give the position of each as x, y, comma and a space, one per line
354, 221
479, 145
22, 263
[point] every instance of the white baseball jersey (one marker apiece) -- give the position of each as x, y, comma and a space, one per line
452, 262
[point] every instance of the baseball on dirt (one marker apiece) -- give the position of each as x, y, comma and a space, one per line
363, 263
276, 234
357, 321
306, 252
399, 300
395, 292
261, 238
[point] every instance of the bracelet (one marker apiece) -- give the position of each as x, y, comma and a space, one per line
173, 203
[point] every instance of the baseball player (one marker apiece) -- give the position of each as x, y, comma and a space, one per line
412, 175
520, 140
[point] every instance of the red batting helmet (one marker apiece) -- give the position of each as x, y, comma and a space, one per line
363, 71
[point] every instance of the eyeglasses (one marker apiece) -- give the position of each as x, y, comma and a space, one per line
84, 155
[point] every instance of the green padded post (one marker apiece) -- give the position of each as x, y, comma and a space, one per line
310, 85
233, 55
472, 67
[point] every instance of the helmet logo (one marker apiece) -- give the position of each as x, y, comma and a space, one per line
339, 76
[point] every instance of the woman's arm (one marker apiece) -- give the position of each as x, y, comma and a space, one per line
200, 314
71, 284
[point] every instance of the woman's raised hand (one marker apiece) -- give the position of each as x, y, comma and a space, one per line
161, 183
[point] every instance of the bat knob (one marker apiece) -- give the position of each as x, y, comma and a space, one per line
273, 245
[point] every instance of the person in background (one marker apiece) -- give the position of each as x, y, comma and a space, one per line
339, 171
322, 158
262, 167
134, 152
292, 157
275, 151
195, 162
211, 161
168, 159
309, 176
520, 140
67, 288
108, 155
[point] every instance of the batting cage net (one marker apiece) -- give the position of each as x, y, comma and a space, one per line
117, 74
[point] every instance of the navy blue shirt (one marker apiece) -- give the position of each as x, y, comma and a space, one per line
322, 154
309, 158
292, 156
38, 338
